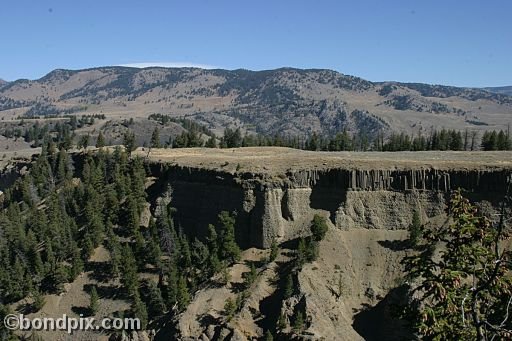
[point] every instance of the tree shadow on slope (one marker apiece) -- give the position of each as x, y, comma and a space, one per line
99, 271
270, 306
380, 323
396, 245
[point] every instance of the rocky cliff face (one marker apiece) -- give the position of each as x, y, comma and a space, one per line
281, 206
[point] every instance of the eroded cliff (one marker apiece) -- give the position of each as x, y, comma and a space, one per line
278, 197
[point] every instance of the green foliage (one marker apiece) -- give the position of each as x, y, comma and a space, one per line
307, 251
5, 333
211, 142
318, 227
140, 311
39, 300
250, 277
460, 278
298, 322
274, 250
155, 301
269, 336
229, 309
288, 287
232, 138
225, 276
188, 139
155, 138
84, 141
493, 140
94, 301
228, 248
129, 274
182, 294
100, 141
129, 141
281, 322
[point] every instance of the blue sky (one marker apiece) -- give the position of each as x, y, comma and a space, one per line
464, 43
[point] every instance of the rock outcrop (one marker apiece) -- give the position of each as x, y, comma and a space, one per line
282, 205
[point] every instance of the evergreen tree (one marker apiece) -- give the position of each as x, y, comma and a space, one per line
281, 322
229, 309
93, 301
182, 294
318, 227
211, 142
171, 289
288, 287
129, 142
228, 247
84, 142
298, 323
140, 311
155, 138
250, 277
39, 300
129, 274
100, 141
155, 301
274, 250
77, 264
301, 253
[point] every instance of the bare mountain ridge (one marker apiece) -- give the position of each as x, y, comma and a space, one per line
287, 101
505, 90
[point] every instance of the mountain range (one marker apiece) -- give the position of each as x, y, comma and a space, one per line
287, 101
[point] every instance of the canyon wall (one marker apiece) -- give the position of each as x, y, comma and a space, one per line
281, 206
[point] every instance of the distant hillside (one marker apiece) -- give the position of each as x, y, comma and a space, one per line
504, 90
287, 101
2, 82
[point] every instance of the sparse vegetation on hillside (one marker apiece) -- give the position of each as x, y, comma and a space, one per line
55, 216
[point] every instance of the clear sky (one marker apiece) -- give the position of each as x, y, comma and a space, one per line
455, 42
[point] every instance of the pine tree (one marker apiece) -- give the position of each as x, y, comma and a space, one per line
63, 172
228, 248
100, 141
140, 311
229, 309
212, 243
77, 264
93, 301
274, 250
129, 142
318, 227
155, 301
84, 142
301, 253
281, 322
39, 300
298, 323
211, 142
155, 138
59, 277
129, 273
182, 294
288, 287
